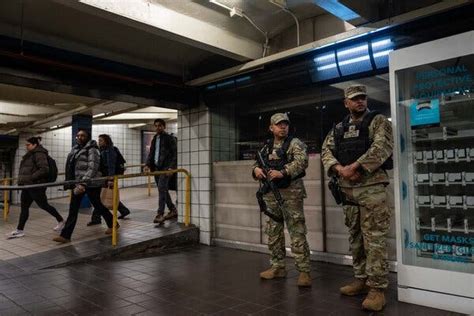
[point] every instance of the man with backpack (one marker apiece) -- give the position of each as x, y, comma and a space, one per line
111, 163
358, 152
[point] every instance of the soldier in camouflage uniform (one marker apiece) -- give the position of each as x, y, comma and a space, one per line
362, 177
292, 165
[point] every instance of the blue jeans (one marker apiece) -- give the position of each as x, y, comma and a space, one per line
164, 197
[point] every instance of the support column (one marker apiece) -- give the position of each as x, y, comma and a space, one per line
194, 154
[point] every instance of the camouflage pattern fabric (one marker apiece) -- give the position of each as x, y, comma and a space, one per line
298, 162
368, 226
380, 132
293, 211
296, 225
369, 222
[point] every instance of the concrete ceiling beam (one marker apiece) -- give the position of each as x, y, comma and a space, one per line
14, 108
157, 19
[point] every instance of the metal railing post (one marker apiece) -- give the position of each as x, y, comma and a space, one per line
149, 185
187, 206
116, 198
6, 206
114, 211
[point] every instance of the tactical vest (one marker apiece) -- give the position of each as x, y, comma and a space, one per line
279, 164
352, 140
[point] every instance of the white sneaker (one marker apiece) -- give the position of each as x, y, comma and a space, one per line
60, 226
15, 234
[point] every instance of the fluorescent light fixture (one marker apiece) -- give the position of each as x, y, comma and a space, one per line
225, 83
99, 115
324, 57
382, 53
353, 60
220, 4
383, 42
352, 50
326, 67
242, 79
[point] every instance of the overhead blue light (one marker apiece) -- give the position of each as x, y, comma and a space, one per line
382, 53
323, 58
355, 59
330, 66
384, 42
353, 50
326, 67
380, 50
241, 79
337, 9
225, 83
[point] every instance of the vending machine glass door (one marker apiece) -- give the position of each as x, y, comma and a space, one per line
435, 110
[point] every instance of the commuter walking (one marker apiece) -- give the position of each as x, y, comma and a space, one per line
34, 169
287, 161
163, 156
111, 163
358, 152
83, 164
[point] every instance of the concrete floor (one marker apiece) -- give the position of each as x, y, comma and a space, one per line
39, 228
197, 280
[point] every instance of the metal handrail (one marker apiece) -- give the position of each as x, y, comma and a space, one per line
7, 181
187, 207
63, 173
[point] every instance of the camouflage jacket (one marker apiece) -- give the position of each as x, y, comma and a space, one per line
380, 133
298, 162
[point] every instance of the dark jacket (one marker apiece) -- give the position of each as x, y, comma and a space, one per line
108, 158
108, 161
83, 163
168, 153
34, 167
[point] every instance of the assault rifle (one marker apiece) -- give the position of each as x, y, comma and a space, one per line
266, 185
336, 191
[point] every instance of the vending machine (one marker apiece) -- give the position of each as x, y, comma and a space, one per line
432, 105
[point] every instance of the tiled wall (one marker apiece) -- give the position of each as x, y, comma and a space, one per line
224, 133
194, 148
58, 143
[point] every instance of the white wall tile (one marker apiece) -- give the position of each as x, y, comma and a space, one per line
204, 157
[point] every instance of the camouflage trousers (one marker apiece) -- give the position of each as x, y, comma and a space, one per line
368, 226
295, 222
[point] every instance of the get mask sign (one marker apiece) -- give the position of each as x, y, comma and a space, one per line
423, 113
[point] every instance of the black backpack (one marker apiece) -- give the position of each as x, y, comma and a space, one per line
119, 162
53, 170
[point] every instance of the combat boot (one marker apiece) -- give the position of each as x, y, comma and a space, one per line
375, 300
273, 273
304, 279
355, 288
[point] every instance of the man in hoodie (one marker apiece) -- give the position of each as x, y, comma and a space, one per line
83, 164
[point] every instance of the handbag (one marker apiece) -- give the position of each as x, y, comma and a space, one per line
107, 197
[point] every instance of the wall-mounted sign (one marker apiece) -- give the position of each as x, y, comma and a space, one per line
423, 113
